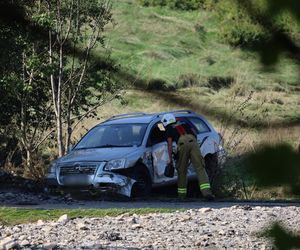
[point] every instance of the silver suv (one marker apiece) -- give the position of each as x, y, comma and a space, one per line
127, 155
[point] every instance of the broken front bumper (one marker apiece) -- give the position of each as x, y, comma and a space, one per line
112, 182
100, 181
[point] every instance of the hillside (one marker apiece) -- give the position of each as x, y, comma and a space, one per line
159, 43
157, 48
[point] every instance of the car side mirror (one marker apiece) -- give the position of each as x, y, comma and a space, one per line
70, 148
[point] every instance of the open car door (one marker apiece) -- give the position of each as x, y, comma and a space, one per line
160, 156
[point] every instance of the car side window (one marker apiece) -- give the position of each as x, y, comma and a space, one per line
199, 124
157, 134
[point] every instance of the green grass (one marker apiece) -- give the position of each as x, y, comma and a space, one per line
157, 42
14, 216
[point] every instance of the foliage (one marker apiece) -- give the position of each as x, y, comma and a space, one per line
176, 4
51, 44
22, 82
276, 165
75, 29
238, 28
282, 238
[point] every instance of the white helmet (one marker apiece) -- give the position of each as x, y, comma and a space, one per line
168, 119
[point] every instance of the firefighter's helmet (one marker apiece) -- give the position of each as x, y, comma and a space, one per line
168, 119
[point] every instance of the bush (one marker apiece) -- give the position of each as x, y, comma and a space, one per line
238, 28
186, 5
156, 84
180, 4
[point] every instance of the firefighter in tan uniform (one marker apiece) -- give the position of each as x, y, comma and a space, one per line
184, 134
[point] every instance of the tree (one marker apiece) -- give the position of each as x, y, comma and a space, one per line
53, 79
75, 28
25, 102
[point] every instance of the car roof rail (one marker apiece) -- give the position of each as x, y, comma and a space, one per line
187, 111
127, 115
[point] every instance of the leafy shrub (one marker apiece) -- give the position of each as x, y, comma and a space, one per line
179, 4
236, 27
156, 84
186, 5
153, 2
240, 28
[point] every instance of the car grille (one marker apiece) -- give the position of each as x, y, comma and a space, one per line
78, 169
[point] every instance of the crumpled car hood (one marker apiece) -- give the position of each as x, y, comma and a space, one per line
97, 154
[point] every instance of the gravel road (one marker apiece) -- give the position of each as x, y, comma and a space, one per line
17, 198
213, 225
233, 227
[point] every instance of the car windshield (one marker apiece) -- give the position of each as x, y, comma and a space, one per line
116, 135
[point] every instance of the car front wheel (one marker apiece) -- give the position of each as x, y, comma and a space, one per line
143, 185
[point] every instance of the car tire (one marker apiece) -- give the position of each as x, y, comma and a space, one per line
143, 185
50, 190
213, 170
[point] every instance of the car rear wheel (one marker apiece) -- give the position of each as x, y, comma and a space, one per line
143, 185
213, 170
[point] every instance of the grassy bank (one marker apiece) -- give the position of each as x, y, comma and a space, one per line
14, 216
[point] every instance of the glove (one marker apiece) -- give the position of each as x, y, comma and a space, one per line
169, 170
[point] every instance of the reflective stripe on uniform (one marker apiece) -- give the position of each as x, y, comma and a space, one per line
205, 186
180, 129
181, 190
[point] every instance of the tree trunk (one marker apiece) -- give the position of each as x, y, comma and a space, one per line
56, 94
28, 159
59, 135
69, 128
68, 139
61, 150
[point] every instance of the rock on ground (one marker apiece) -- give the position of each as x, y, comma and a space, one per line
235, 227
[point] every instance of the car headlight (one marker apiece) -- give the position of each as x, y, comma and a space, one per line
115, 164
52, 168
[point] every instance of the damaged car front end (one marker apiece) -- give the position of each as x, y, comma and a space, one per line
101, 165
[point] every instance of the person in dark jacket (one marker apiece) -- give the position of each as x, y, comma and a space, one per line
184, 134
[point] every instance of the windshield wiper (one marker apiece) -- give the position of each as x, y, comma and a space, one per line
113, 146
